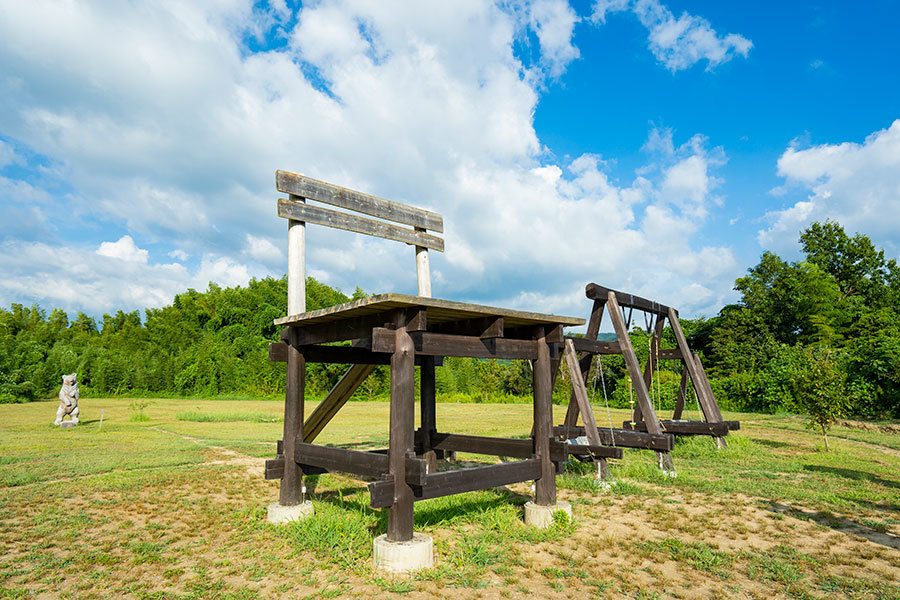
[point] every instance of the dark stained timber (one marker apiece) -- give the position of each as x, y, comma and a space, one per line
440, 344
457, 482
545, 488
337, 397
348, 355
625, 438
598, 292
595, 347
594, 451
483, 327
290, 493
718, 429
402, 442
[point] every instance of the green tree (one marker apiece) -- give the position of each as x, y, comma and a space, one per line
854, 262
819, 388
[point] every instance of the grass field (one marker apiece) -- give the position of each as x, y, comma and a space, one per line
174, 507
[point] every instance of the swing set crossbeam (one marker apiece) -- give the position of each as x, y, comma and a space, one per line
626, 300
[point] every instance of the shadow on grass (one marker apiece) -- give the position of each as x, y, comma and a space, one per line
770, 443
839, 524
853, 474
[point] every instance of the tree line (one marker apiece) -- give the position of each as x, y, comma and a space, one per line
825, 326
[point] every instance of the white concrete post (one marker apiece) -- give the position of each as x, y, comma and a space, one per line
296, 264
423, 271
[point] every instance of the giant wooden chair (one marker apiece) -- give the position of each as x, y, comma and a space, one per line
403, 332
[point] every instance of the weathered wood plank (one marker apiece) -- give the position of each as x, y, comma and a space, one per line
298, 211
595, 346
598, 292
402, 425
457, 482
439, 311
545, 487
581, 397
637, 380
682, 394
594, 451
492, 446
307, 187
290, 492
703, 395
593, 329
337, 397
339, 331
669, 354
275, 468
704, 381
625, 438
439, 344
482, 327
717, 429
349, 355
369, 464
427, 412
641, 394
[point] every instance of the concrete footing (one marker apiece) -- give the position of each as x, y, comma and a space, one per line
403, 557
288, 514
542, 516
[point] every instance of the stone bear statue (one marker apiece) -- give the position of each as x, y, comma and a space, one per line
68, 400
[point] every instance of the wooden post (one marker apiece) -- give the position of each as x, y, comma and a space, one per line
704, 395
593, 330
428, 410
296, 264
714, 406
400, 516
637, 378
545, 488
682, 393
423, 270
581, 397
290, 493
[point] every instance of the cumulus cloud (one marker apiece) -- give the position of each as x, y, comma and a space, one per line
677, 42
117, 275
158, 119
263, 250
856, 184
124, 249
554, 22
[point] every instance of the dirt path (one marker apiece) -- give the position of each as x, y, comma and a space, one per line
253, 466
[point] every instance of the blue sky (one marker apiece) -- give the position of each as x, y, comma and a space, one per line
658, 147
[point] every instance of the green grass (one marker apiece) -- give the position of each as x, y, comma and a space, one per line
154, 509
198, 416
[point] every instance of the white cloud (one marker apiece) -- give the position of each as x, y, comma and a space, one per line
554, 22
8, 155
160, 121
856, 184
124, 249
677, 42
263, 250
74, 278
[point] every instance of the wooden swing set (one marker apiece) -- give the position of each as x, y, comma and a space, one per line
644, 416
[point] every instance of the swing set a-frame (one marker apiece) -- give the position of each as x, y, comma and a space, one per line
644, 417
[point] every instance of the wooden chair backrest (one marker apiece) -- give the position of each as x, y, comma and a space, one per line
300, 188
